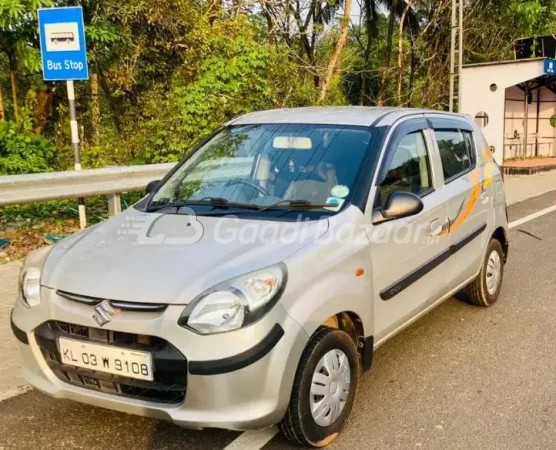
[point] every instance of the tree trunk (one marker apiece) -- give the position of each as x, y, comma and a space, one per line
215, 8
386, 69
13, 81
337, 51
413, 70
95, 109
269, 22
363, 92
308, 46
237, 6
43, 109
112, 102
2, 109
371, 30
400, 51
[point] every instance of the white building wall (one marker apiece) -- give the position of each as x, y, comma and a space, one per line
477, 96
541, 143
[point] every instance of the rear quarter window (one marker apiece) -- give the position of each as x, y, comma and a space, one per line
457, 152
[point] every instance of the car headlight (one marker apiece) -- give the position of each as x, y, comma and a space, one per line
31, 286
235, 303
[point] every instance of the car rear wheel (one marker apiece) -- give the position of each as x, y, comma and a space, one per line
324, 389
485, 289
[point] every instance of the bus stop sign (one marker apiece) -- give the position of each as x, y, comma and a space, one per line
63, 50
549, 66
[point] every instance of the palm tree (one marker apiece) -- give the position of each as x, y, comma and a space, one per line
337, 50
300, 22
371, 14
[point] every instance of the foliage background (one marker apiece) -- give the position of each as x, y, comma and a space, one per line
165, 74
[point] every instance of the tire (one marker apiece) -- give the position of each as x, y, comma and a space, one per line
299, 425
481, 291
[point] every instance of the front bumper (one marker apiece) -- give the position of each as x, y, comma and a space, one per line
240, 380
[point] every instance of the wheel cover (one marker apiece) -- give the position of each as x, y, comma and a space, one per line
493, 272
330, 387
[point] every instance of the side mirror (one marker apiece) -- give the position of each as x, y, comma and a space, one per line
153, 186
398, 205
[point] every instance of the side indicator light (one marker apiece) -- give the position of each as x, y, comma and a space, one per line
359, 272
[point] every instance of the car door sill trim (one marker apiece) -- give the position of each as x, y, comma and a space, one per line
420, 314
394, 289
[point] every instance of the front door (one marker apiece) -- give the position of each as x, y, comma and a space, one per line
408, 254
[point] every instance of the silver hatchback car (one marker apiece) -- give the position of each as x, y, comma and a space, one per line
251, 286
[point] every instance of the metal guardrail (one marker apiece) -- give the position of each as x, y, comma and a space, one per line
111, 181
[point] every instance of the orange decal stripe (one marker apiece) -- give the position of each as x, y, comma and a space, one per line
471, 202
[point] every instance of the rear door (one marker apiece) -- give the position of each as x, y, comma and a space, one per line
408, 254
470, 209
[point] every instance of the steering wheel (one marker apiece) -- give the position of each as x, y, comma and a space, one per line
261, 190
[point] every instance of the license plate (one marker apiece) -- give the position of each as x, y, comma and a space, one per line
114, 360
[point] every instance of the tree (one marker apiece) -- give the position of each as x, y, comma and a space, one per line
166, 73
397, 9
300, 24
337, 50
400, 51
18, 30
369, 9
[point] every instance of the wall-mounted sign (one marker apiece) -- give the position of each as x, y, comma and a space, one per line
549, 66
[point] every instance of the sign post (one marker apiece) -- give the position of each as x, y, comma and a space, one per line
64, 58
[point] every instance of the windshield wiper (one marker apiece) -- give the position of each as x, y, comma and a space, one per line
297, 204
222, 202
217, 202
163, 205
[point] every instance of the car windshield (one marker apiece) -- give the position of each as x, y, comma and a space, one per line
273, 164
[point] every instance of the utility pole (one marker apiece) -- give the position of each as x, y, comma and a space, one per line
456, 47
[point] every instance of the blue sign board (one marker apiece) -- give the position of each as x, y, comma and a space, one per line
549, 66
63, 50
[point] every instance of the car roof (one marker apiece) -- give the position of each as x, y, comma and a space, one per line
331, 115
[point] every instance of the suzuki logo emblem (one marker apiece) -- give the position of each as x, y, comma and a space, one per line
103, 312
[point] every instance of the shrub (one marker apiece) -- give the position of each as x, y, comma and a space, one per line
24, 152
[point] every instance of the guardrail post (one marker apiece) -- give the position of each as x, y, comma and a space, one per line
114, 204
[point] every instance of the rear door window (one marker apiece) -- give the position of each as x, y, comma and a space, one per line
457, 152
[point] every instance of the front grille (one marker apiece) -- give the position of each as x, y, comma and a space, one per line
126, 306
169, 365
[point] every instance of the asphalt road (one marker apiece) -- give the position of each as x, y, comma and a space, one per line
462, 377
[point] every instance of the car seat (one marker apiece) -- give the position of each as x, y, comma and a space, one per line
314, 186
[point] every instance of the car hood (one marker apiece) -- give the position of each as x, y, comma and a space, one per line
169, 258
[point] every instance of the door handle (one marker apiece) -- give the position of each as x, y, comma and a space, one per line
484, 197
437, 227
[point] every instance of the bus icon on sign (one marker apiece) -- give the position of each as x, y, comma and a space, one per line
68, 38
62, 37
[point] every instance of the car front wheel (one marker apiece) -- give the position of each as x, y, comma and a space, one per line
324, 389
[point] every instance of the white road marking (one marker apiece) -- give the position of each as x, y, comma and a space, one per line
5, 395
533, 216
253, 440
